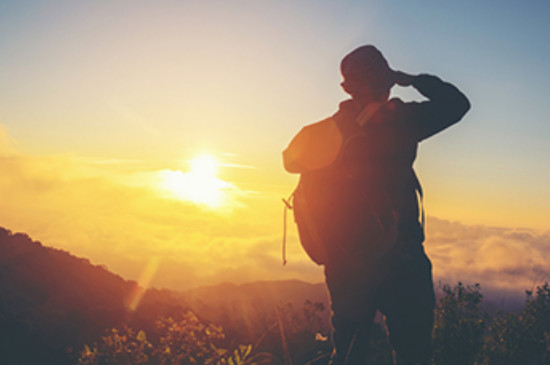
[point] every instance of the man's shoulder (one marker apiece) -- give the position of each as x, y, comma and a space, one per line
400, 109
395, 109
395, 104
389, 111
348, 106
348, 103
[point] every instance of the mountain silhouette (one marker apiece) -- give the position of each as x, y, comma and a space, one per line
52, 303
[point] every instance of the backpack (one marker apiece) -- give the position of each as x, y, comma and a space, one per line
338, 216
338, 211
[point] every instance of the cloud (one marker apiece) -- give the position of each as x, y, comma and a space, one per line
496, 257
238, 166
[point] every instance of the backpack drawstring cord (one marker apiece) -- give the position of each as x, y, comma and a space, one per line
287, 206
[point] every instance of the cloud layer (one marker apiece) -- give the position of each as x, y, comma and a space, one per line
497, 257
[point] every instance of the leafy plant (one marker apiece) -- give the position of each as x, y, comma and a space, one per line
463, 335
187, 341
118, 347
523, 338
459, 324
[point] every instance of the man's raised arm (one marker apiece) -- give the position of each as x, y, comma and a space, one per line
445, 107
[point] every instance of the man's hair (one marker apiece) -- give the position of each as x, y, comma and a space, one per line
367, 66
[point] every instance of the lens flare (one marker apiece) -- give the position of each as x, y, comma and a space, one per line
142, 284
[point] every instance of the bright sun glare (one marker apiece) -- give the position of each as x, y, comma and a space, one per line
200, 185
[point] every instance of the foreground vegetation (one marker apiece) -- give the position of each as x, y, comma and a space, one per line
464, 333
188, 340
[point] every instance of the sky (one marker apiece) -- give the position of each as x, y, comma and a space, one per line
105, 107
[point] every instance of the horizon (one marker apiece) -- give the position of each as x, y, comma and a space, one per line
494, 299
148, 138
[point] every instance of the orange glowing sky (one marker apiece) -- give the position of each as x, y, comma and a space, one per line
105, 107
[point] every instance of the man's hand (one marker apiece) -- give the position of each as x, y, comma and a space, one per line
403, 79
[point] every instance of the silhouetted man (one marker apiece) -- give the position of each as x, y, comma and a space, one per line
397, 279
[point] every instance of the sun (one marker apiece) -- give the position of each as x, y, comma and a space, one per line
199, 185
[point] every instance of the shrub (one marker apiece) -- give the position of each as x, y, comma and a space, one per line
186, 341
458, 326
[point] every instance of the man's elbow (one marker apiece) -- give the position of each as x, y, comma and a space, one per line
458, 107
464, 106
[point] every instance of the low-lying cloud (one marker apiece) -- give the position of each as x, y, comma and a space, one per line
496, 257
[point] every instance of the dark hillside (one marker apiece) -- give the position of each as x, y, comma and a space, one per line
248, 310
54, 302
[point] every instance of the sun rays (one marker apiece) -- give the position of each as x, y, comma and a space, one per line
200, 185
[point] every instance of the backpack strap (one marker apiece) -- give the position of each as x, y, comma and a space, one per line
367, 113
418, 190
287, 206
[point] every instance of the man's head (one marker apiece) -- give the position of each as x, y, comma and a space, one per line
367, 75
